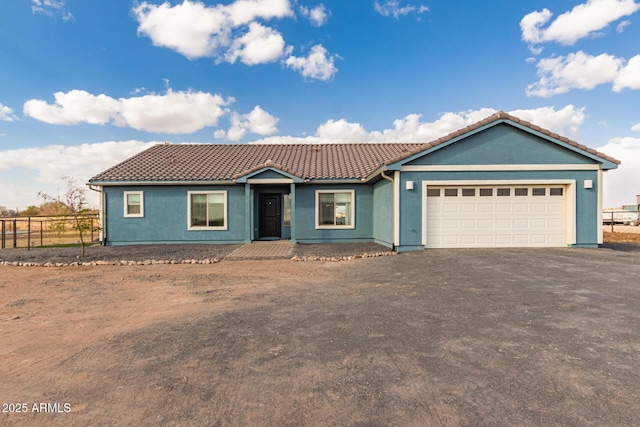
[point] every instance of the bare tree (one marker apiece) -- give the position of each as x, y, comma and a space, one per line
75, 202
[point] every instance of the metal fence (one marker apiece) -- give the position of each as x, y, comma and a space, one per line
32, 231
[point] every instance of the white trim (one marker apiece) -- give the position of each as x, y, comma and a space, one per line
206, 227
336, 227
600, 208
269, 181
396, 208
570, 199
536, 167
125, 202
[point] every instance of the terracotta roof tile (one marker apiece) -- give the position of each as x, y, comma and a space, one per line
221, 162
226, 162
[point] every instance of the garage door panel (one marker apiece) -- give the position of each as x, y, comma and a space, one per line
521, 207
468, 208
513, 219
468, 224
539, 207
556, 223
450, 208
486, 207
503, 223
485, 223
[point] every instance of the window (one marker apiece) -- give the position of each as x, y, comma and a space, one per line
433, 192
538, 191
468, 192
286, 217
555, 191
504, 192
335, 209
450, 192
207, 210
521, 191
133, 204
486, 192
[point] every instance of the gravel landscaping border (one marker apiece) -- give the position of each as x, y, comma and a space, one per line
174, 254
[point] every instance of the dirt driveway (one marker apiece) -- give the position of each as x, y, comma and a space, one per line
447, 337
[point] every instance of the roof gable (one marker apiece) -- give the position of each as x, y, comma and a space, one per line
268, 172
502, 118
501, 145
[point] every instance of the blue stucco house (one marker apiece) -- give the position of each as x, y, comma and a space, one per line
501, 182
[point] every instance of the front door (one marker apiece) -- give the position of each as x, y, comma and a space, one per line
270, 221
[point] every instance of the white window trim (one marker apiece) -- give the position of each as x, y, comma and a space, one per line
126, 203
336, 227
206, 227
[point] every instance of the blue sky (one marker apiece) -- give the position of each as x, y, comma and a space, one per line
86, 84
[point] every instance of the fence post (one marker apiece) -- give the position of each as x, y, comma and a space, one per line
612, 221
3, 230
28, 233
15, 233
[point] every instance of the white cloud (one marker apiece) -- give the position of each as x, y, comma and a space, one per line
318, 65
619, 188
622, 25
196, 30
636, 127
629, 76
565, 121
232, 32
6, 114
317, 16
173, 112
51, 8
258, 46
341, 131
257, 121
575, 71
582, 21
393, 8
46, 165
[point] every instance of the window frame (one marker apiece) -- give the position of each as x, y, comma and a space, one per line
207, 227
352, 218
126, 204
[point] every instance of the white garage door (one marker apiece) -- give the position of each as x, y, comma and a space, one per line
495, 216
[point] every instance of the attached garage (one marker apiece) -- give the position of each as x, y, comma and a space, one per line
505, 214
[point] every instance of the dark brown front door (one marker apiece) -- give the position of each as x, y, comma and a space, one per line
270, 221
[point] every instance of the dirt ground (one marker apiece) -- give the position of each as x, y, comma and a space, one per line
449, 337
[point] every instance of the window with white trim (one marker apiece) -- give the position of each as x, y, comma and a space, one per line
133, 204
207, 210
335, 209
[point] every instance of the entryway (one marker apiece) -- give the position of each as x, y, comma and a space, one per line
270, 221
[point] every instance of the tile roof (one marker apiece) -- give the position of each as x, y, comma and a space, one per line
226, 162
221, 162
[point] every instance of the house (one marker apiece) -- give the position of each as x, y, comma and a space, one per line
501, 182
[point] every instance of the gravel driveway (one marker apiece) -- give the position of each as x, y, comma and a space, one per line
526, 337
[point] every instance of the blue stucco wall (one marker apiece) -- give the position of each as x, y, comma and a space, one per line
165, 216
411, 201
306, 231
501, 144
383, 212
